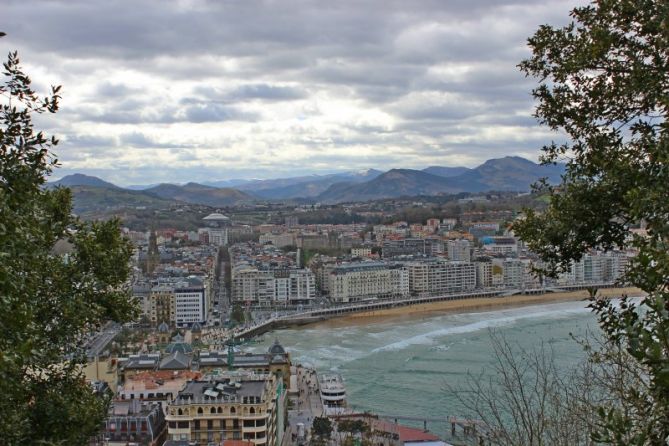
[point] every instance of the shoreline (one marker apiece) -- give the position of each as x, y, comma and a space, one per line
466, 305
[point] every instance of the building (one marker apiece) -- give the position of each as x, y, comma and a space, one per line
459, 250
361, 252
500, 245
368, 280
412, 246
190, 303
436, 276
247, 407
268, 286
133, 422
279, 240
216, 230
161, 305
276, 361
155, 386
483, 274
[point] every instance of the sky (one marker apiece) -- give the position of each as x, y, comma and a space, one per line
194, 90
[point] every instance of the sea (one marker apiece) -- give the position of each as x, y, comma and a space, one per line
411, 365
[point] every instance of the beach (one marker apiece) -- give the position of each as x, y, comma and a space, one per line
449, 306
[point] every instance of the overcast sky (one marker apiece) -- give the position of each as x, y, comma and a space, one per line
194, 90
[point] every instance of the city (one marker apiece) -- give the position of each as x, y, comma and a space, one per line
307, 223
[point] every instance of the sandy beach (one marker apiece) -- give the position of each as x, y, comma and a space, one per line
473, 305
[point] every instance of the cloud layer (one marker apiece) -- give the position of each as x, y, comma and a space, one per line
196, 90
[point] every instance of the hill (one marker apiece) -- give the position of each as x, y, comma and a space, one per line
308, 186
394, 183
199, 194
502, 174
79, 179
446, 172
94, 199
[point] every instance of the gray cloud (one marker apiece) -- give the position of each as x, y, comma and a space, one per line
277, 83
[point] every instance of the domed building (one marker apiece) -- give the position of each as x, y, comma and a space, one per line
163, 333
178, 344
196, 331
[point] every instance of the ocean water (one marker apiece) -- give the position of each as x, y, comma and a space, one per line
401, 366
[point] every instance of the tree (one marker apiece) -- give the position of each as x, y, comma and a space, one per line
525, 399
237, 314
604, 83
322, 428
49, 300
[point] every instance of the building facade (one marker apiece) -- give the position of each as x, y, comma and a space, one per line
247, 407
368, 280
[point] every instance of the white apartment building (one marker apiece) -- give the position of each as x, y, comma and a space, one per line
278, 240
483, 274
441, 277
249, 284
368, 280
190, 304
459, 250
361, 252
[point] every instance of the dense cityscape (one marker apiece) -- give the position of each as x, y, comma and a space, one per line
307, 223
180, 376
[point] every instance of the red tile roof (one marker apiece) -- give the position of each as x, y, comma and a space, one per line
411, 434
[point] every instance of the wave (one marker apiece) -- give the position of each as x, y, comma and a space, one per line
495, 322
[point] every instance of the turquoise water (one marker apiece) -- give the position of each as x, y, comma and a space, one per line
400, 366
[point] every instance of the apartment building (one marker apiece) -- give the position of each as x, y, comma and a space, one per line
248, 407
190, 303
267, 286
133, 422
412, 246
483, 274
161, 305
365, 280
436, 276
459, 250
279, 240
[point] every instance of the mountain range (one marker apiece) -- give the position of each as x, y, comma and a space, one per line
510, 173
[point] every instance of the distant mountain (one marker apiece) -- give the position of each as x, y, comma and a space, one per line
141, 186
199, 194
394, 183
446, 172
79, 179
503, 174
511, 173
92, 199
306, 186
226, 183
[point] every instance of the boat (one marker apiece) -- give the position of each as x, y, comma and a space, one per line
333, 393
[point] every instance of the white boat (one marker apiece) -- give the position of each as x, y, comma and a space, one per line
333, 392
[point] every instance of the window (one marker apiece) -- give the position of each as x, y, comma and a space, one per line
199, 411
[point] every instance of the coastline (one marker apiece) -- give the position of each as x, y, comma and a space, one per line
456, 306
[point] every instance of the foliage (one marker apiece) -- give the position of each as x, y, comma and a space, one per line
237, 315
604, 82
49, 300
322, 427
